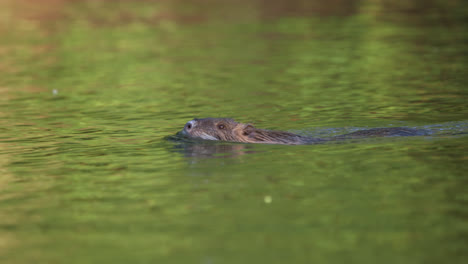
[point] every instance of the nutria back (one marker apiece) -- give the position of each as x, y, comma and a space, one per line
385, 132
226, 129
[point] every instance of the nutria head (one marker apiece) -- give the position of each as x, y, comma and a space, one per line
226, 129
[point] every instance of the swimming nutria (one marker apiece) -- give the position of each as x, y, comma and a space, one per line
226, 129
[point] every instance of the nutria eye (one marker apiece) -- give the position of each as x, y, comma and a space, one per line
221, 126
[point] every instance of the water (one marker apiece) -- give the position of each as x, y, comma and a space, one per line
90, 92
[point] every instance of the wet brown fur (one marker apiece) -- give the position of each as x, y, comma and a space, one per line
226, 129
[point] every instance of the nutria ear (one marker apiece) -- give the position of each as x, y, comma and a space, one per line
247, 129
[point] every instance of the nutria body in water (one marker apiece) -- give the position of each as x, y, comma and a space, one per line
226, 129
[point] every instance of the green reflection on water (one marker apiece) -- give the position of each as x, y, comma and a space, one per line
90, 90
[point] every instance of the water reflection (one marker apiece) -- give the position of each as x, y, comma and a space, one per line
209, 149
86, 175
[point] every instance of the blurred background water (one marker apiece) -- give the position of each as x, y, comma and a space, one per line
90, 92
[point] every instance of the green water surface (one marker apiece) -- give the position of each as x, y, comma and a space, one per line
90, 91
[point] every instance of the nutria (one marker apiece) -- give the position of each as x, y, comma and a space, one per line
226, 129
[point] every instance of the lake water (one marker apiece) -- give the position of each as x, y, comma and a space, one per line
92, 93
